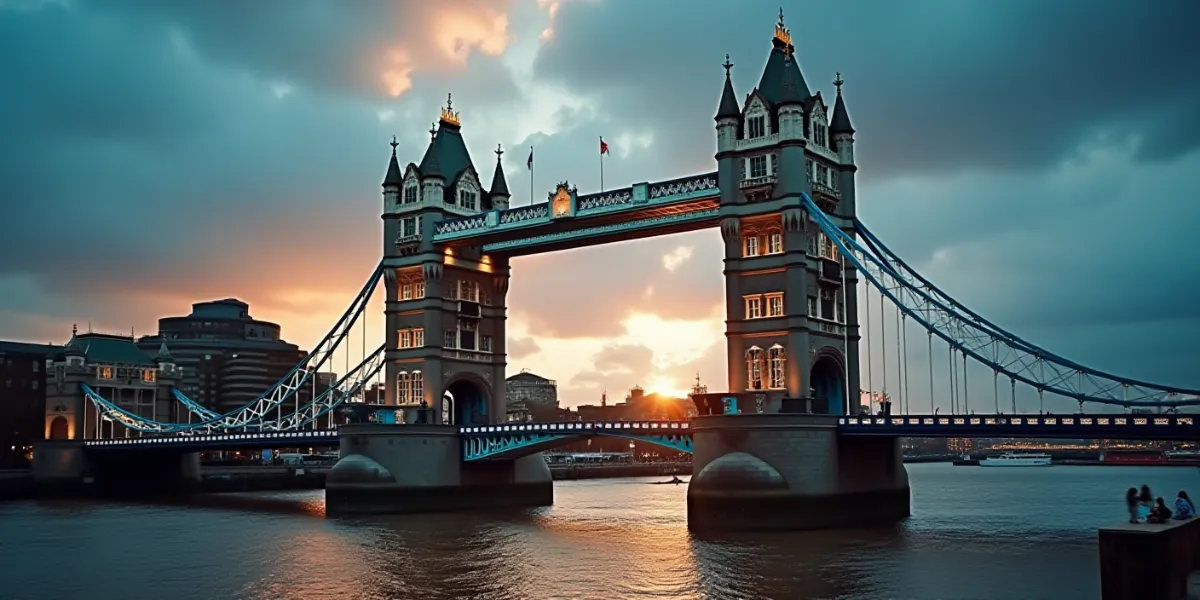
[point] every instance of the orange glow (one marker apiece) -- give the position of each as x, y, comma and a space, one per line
665, 386
397, 77
449, 251
457, 33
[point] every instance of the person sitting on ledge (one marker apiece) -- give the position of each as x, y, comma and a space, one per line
1131, 504
1184, 509
1160, 513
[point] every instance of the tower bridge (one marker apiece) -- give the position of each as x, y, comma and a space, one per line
787, 446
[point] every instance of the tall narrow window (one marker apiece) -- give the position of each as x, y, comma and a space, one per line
419, 288
775, 305
812, 306
756, 127
466, 199
410, 194
776, 358
775, 243
758, 166
754, 307
750, 245
410, 226
406, 291
827, 304
450, 339
406, 338
402, 388
418, 338
416, 388
754, 368
485, 343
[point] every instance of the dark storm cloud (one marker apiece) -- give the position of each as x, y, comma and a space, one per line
933, 86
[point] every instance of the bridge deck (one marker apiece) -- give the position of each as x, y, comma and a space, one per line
1076, 426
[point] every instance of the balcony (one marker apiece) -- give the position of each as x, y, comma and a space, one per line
408, 244
830, 271
824, 190
468, 309
754, 183
826, 326
471, 355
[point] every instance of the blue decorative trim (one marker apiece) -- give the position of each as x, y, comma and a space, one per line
584, 233
635, 197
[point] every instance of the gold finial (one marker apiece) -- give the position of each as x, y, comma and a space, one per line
781, 33
448, 114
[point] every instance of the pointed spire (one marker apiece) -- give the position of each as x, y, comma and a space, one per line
164, 355
840, 123
792, 89
499, 185
729, 104
430, 166
394, 177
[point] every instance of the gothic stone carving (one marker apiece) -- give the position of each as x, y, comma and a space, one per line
731, 228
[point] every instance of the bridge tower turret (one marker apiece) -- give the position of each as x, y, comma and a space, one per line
786, 308
445, 306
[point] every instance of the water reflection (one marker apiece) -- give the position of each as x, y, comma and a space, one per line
601, 540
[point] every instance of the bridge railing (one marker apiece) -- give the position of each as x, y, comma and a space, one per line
577, 427
1098, 421
192, 440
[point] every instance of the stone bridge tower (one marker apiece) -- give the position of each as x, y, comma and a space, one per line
445, 308
792, 315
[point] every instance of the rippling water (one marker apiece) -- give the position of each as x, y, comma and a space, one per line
975, 533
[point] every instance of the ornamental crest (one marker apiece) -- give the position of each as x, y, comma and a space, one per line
563, 201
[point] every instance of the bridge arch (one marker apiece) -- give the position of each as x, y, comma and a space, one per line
466, 400
827, 381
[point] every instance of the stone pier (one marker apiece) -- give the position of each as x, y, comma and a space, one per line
791, 471
70, 468
419, 468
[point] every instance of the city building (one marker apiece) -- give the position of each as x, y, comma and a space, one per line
117, 370
22, 399
226, 358
531, 390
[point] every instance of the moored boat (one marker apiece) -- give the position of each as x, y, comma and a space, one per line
1016, 459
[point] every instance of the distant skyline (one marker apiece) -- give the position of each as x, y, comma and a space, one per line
1037, 160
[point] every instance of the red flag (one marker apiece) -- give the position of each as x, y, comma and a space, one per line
529, 163
603, 146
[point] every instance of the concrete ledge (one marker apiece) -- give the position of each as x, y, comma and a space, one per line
785, 510
1148, 561
764, 421
351, 499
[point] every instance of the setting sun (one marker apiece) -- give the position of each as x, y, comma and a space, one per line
665, 386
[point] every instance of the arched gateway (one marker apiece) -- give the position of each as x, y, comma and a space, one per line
448, 240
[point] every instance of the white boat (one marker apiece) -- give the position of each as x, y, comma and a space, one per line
1015, 459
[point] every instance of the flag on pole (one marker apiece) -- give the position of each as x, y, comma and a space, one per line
529, 163
603, 146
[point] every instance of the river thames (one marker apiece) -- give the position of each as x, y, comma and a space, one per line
975, 533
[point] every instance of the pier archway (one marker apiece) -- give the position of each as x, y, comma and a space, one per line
468, 401
828, 385
59, 428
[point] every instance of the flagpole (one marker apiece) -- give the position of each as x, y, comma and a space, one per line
531, 175
601, 164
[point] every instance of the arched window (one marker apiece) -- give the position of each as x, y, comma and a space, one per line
416, 387
754, 368
776, 355
402, 388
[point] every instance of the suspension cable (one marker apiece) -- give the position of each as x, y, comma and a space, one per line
953, 380
1041, 382
899, 363
932, 408
1013, 383
966, 390
904, 329
996, 389
883, 350
870, 380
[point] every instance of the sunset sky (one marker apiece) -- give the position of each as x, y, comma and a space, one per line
1039, 160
